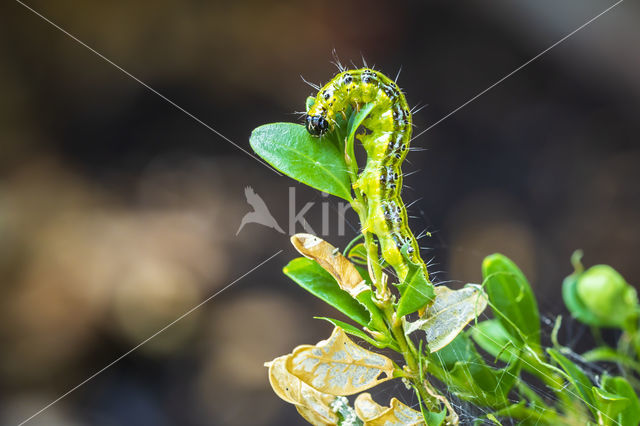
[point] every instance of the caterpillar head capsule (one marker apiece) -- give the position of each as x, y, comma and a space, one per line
317, 125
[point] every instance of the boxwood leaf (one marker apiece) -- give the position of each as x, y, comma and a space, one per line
313, 278
347, 275
603, 353
374, 414
355, 120
512, 299
338, 366
578, 380
609, 405
462, 369
289, 148
313, 405
628, 414
416, 290
574, 304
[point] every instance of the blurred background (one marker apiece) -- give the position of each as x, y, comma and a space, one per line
118, 212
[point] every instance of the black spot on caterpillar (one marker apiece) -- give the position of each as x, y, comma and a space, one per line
386, 144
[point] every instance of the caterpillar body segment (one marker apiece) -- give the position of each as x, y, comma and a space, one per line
386, 143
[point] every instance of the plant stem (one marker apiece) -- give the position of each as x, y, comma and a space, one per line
383, 296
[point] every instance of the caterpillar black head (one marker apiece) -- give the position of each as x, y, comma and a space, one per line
317, 125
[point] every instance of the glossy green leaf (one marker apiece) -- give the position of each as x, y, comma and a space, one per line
430, 418
466, 374
606, 294
511, 299
491, 336
628, 414
435, 419
355, 121
574, 304
580, 383
606, 354
313, 278
290, 149
416, 290
377, 318
609, 405
377, 321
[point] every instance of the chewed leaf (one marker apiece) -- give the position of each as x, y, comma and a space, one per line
367, 408
338, 366
416, 290
449, 313
313, 405
374, 414
345, 273
330, 258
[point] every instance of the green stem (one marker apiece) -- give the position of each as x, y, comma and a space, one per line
413, 372
372, 259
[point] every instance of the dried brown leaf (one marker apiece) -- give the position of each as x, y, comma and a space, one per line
313, 405
374, 414
332, 261
338, 366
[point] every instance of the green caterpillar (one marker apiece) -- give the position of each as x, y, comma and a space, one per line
386, 145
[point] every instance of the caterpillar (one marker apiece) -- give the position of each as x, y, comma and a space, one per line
386, 144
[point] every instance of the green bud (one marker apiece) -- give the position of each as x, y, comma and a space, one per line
606, 294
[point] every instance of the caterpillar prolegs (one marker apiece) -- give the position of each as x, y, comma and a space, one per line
386, 145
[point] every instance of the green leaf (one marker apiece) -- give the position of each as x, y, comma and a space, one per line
313, 278
355, 120
578, 380
609, 405
377, 321
354, 331
289, 148
606, 294
461, 368
574, 304
491, 336
610, 355
435, 419
626, 415
511, 299
416, 290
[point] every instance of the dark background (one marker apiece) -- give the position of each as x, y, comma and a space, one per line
118, 212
